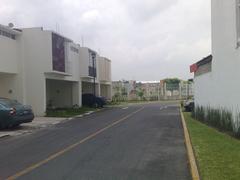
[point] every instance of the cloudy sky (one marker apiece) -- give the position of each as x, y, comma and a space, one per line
145, 39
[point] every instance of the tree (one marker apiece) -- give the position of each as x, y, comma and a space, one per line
124, 91
140, 94
172, 83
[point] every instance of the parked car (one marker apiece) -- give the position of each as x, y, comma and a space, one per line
189, 105
93, 101
12, 113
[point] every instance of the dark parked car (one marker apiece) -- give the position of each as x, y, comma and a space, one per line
12, 113
93, 101
189, 105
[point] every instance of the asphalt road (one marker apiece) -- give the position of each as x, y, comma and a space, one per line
141, 142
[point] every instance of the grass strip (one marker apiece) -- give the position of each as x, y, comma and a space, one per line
218, 154
68, 112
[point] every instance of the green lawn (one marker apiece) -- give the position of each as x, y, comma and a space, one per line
68, 112
218, 154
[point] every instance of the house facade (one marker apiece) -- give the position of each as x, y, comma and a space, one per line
105, 77
150, 90
45, 69
215, 77
124, 90
176, 91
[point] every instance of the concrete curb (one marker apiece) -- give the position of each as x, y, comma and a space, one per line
191, 157
83, 115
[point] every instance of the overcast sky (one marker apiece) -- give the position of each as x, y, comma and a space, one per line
145, 39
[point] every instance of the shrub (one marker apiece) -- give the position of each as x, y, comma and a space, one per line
198, 113
227, 120
237, 125
220, 118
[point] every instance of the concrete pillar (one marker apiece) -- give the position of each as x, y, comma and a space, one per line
77, 93
36, 91
98, 89
110, 92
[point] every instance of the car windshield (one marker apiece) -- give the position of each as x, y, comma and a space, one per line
9, 103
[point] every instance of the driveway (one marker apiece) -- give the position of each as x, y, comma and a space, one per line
142, 142
37, 124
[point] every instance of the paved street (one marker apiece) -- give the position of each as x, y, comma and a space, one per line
37, 124
139, 142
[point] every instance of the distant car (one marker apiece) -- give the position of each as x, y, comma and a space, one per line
189, 105
12, 113
93, 101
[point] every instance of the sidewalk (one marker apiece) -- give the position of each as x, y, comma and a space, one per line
28, 128
37, 124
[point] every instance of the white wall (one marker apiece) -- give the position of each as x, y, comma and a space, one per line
72, 62
60, 93
106, 91
11, 68
203, 94
226, 58
84, 63
37, 56
105, 69
105, 77
8, 86
220, 88
77, 93
9, 54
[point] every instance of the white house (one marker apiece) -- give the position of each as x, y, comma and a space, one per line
89, 70
124, 90
216, 76
105, 77
43, 68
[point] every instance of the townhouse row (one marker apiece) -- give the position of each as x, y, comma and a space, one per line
45, 69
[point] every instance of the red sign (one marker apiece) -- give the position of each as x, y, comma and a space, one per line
193, 68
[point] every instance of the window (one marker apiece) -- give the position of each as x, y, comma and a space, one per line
92, 64
238, 21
